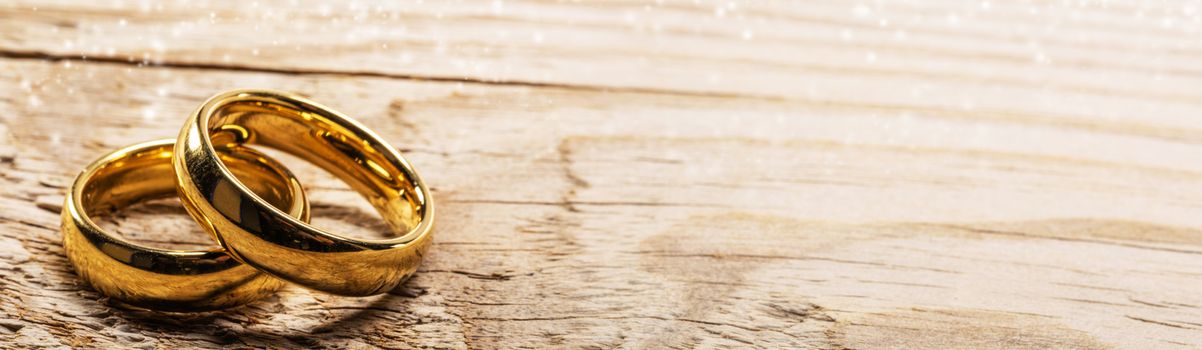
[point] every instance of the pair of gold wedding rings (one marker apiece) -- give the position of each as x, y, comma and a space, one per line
252, 206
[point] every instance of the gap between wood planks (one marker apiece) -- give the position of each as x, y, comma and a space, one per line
130, 61
1061, 121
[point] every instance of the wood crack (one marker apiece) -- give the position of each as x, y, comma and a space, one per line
1068, 239
131, 61
1159, 323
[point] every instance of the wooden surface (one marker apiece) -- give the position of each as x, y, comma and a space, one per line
939, 174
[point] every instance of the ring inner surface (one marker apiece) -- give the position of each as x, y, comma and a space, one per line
147, 174
326, 141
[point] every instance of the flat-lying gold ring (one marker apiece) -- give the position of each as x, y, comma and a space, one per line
165, 279
262, 236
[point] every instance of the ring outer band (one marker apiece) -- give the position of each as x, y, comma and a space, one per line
164, 279
261, 236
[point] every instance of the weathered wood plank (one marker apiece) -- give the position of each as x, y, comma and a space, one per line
569, 219
601, 189
1080, 54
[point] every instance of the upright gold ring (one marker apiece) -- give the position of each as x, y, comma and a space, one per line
160, 278
262, 236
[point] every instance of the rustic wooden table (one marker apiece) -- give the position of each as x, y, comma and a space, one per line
938, 174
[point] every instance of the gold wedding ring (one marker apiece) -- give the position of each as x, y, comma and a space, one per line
160, 278
251, 205
257, 233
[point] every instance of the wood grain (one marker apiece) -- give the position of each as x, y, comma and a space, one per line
678, 175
